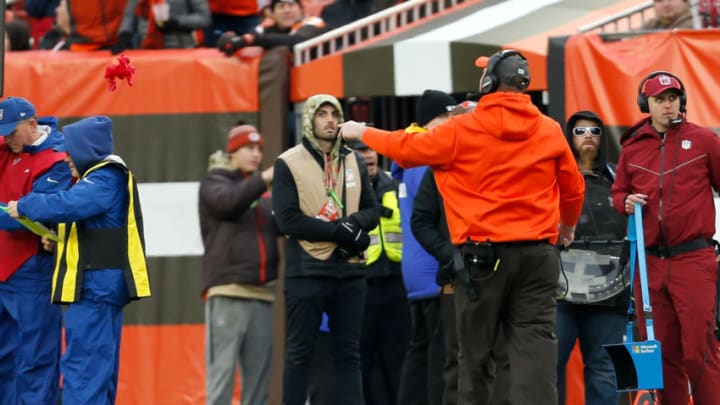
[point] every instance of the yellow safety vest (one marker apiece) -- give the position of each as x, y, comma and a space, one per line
102, 248
387, 236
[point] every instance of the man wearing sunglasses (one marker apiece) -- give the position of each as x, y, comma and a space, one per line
594, 290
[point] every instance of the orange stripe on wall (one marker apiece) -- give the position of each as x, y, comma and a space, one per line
322, 76
325, 75
72, 84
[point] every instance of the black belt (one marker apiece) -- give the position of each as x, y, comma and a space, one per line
524, 242
488, 252
670, 251
383, 279
591, 243
478, 248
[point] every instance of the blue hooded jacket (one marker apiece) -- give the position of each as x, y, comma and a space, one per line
99, 200
418, 266
36, 272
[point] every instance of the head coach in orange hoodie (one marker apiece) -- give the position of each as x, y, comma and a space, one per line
511, 189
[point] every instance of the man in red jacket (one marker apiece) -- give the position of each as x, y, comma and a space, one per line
511, 189
670, 166
31, 161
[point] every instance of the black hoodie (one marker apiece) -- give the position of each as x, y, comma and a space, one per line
599, 221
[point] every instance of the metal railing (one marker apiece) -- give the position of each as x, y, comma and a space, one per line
624, 21
632, 19
370, 27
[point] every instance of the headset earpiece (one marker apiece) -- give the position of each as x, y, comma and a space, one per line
642, 98
490, 80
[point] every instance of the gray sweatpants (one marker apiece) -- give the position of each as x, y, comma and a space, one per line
238, 333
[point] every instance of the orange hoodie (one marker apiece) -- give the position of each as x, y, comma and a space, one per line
505, 170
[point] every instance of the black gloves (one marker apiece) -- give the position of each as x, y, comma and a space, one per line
229, 43
349, 234
445, 274
124, 42
386, 212
171, 24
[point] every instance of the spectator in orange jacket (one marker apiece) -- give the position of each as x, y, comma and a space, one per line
94, 23
510, 185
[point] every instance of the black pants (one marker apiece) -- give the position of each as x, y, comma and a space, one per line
452, 349
306, 298
422, 375
322, 387
518, 299
385, 337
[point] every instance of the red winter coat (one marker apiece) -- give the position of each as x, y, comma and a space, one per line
677, 174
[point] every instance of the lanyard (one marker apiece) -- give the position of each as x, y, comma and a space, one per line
331, 177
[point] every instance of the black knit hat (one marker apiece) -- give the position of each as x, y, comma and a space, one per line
18, 34
431, 104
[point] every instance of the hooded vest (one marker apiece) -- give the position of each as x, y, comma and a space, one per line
82, 249
312, 195
387, 236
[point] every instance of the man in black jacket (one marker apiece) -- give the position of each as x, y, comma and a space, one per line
386, 328
288, 27
240, 266
325, 205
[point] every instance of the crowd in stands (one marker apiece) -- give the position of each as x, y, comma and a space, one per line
118, 25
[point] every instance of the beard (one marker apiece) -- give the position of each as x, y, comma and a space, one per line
588, 156
325, 136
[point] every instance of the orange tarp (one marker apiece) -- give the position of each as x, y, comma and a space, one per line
604, 76
72, 84
163, 365
535, 47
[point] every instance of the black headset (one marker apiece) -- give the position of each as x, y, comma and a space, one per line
642, 98
491, 81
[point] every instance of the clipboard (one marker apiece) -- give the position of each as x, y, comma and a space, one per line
35, 227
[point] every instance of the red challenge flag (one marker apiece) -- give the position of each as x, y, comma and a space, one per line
122, 70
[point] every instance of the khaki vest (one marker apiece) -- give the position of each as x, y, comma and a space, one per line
310, 182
